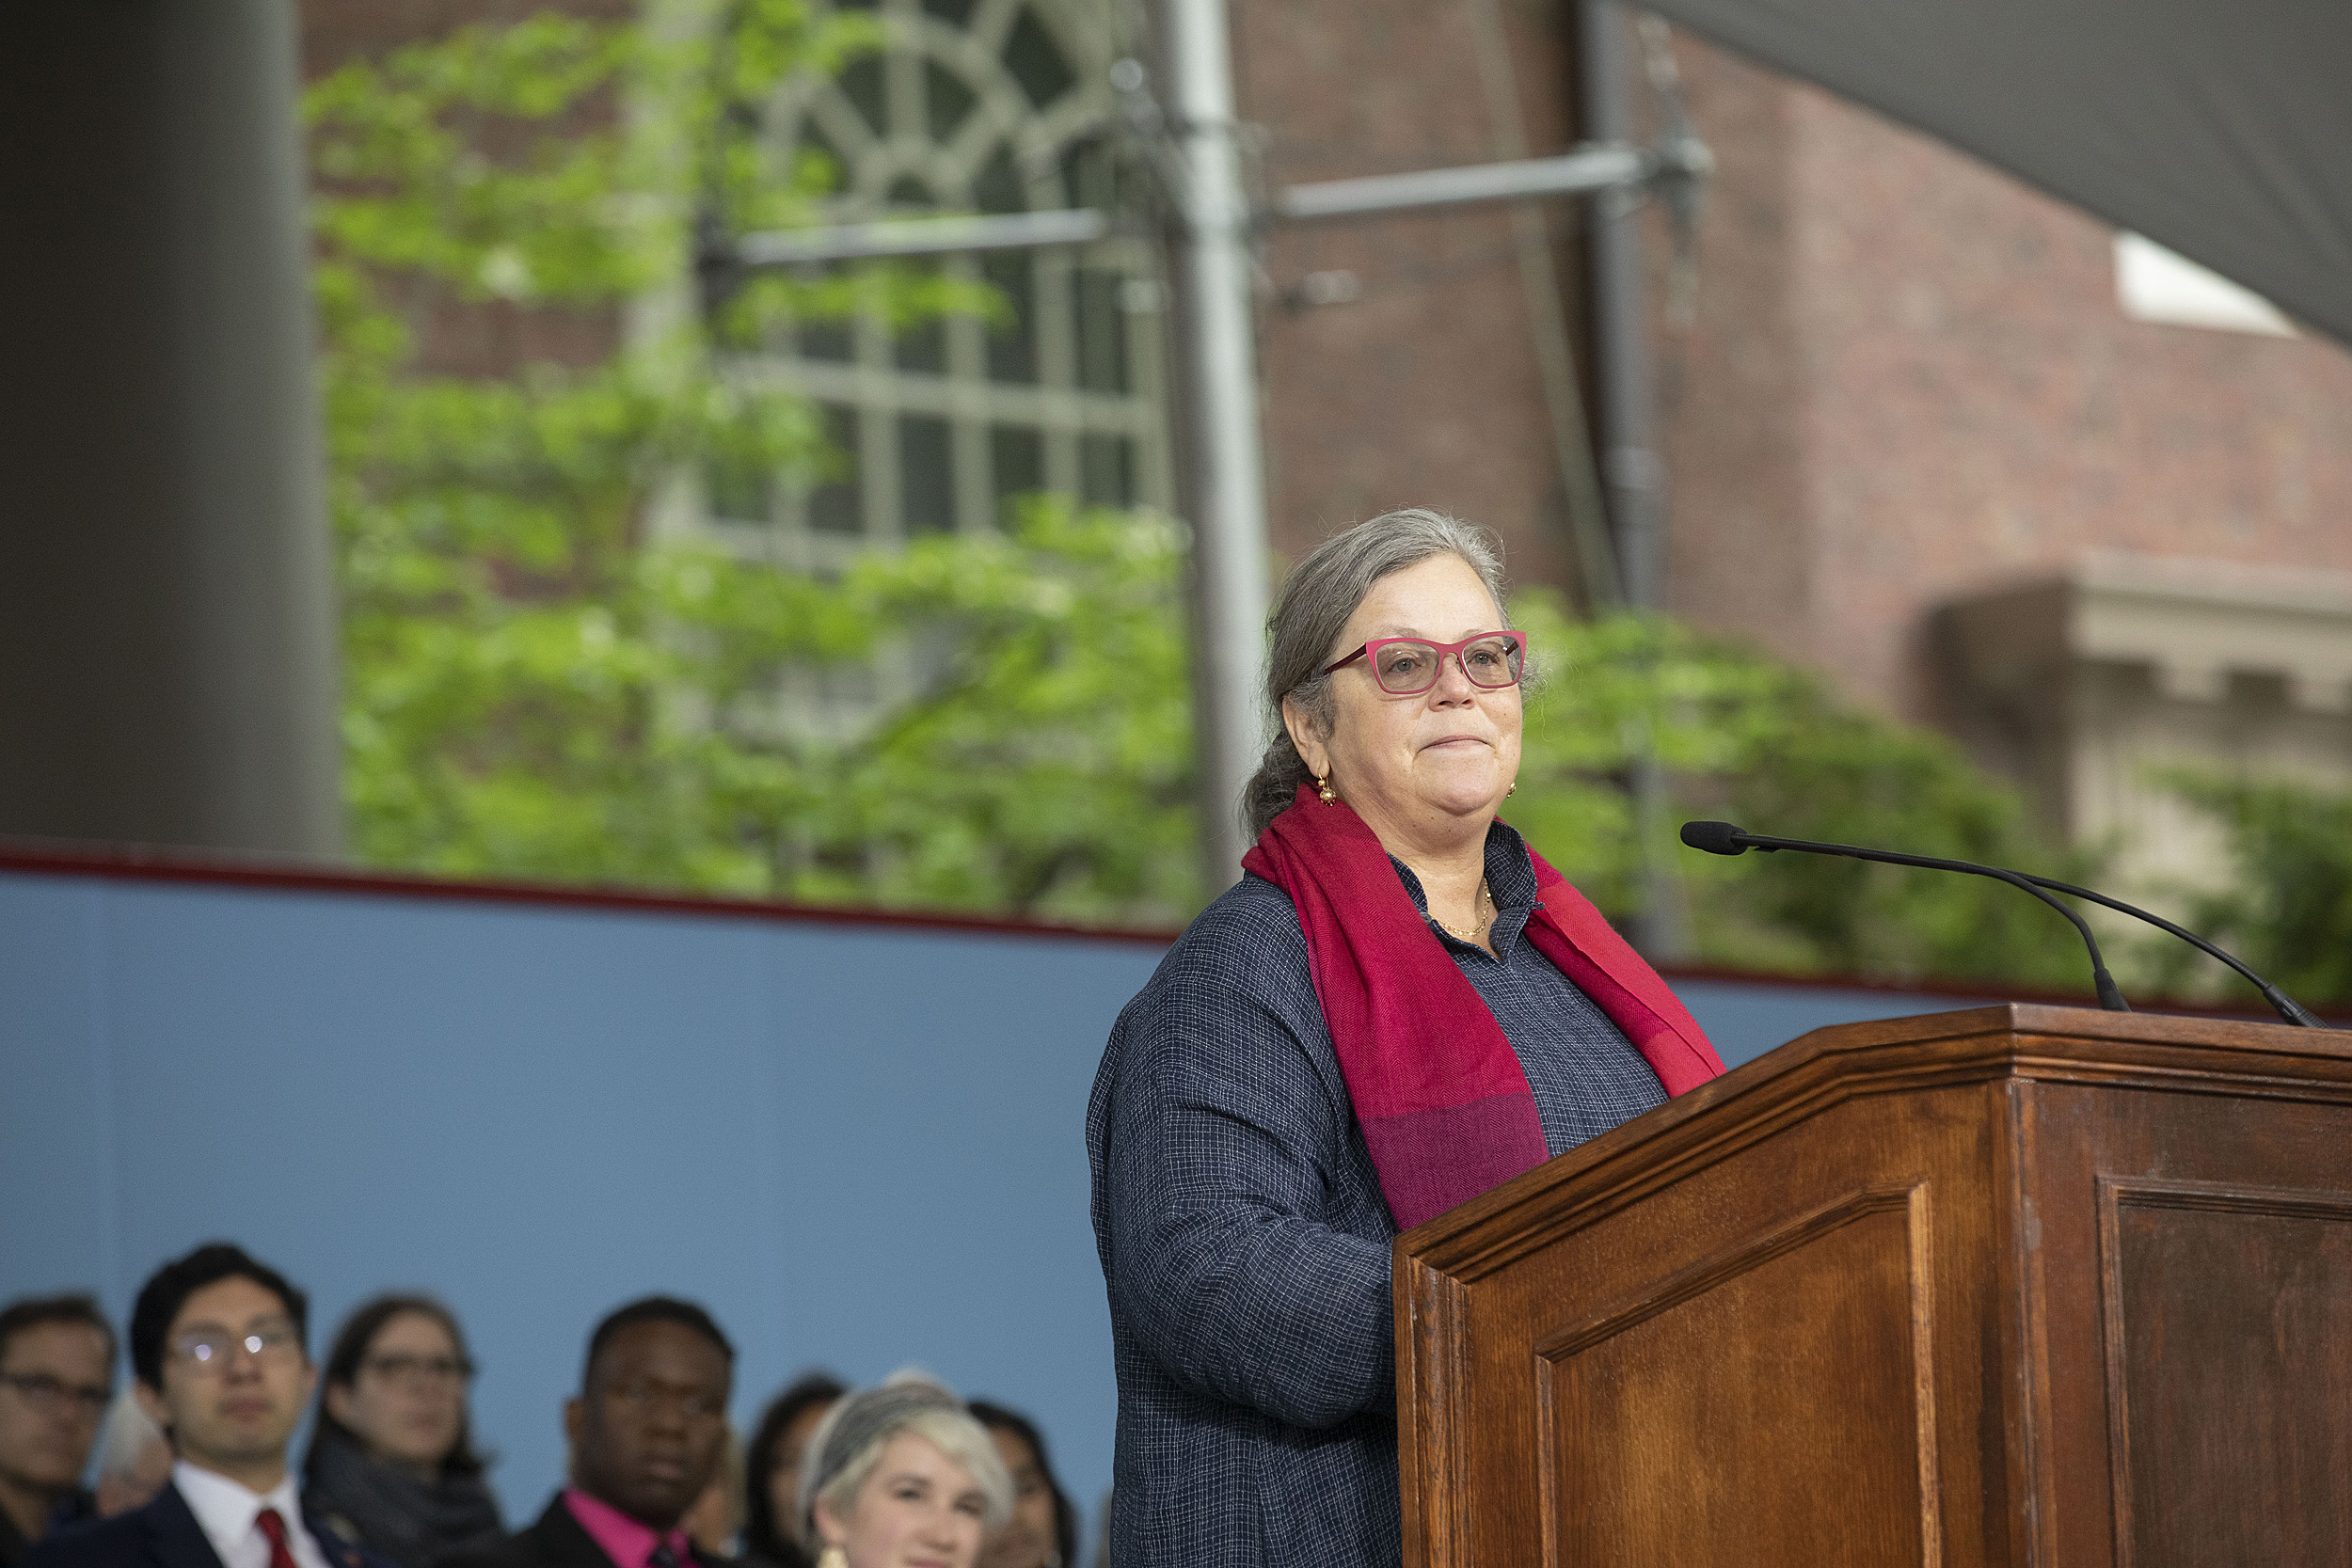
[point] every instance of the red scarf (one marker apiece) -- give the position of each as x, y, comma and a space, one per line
1443, 1102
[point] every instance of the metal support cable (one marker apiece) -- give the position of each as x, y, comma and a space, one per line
1579, 173
1586, 171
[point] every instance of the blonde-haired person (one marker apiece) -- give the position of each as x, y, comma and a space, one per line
901, 1473
133, 1458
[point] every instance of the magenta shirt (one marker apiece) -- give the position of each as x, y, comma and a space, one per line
627, 1543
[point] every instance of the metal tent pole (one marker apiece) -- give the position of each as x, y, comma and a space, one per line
1224, 490
1631, 468
1632, 473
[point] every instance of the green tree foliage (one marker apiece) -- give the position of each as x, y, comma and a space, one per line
535, 687
2288, 909
1039, 760
1748, 737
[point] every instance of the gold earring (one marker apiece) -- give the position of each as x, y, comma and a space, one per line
833, 1557
1324, 790
1513, 790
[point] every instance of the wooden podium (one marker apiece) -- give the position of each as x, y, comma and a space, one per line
2021, 1285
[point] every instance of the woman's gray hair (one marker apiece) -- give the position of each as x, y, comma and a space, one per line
1318, 596
848, 1443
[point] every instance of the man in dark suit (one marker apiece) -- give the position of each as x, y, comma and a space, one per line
217, 1348
648, 1431
57, 1366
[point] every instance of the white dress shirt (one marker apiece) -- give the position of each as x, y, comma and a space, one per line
226, 1512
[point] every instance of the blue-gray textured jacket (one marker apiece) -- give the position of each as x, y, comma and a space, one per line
1246, 1244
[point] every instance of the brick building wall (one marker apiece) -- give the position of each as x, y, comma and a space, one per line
1907, 387
464, 338
1914, 443
1424, 389
1910, 380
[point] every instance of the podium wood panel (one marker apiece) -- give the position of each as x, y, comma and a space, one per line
2215, 1293
2019, 1285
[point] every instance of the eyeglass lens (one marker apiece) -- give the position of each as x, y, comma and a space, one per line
1407, 665
40, 1389
210, 1348
436, 1369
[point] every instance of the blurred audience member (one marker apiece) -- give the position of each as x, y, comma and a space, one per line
392, 1462
56, 1373
1043, 1531
772, 1469
216, 1348
901, 1474
715, 1522
134, 1457
648, 1429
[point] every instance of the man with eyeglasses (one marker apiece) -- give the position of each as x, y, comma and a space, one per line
217, 1353
648, 1431
57, 1373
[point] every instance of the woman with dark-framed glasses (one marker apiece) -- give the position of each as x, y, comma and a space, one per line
1399, 1006
392, 1462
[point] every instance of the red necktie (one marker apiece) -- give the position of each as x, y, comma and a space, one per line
273, 1525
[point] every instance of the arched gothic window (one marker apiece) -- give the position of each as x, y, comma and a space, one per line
986, 107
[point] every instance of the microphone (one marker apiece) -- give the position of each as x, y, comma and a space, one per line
1723, 838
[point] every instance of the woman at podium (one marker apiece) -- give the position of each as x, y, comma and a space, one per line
1399, 1006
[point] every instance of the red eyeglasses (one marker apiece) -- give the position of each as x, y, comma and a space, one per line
1408, 666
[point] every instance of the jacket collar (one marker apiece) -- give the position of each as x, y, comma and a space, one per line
179, 1542
177, 1539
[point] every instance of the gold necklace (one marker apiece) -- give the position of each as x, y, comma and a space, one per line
1486, 900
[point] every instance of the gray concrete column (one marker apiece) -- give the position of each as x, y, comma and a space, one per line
167, 670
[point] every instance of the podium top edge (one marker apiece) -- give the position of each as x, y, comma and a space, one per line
2047, 1021
2007, 1041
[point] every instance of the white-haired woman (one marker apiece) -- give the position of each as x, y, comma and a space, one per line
899, 1475
1399, 1006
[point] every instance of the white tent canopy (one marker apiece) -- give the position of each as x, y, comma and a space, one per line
2220, 130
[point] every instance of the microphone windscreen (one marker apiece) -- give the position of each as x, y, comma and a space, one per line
1716, 838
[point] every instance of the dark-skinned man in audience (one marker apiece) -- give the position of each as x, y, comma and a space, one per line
56, 1374
648, 1431
218, 1352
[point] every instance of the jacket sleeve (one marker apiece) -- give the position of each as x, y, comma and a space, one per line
1224, 1148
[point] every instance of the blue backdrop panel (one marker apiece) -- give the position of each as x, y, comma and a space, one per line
57, 1164
861, 1146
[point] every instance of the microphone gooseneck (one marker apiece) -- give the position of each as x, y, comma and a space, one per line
2281, 1003
1723, 838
